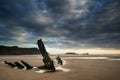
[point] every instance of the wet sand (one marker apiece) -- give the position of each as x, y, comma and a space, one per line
80, 69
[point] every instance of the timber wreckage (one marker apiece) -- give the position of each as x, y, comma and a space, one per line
48, 62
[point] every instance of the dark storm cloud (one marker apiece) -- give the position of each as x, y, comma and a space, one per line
68, 23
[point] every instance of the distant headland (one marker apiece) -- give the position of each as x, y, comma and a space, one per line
15, 50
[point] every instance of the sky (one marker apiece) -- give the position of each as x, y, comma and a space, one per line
64, 25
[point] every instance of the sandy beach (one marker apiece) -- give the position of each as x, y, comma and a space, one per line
80, 69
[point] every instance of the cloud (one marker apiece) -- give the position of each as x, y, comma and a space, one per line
64, 24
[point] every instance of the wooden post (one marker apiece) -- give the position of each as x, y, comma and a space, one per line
19, 66
12, 65
28, 66
48, 63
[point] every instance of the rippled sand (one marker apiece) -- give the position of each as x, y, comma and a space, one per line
75, 68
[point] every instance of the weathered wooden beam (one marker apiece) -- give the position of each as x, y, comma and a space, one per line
48, 63
19, 66
12, 65
28, 66
59, 60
